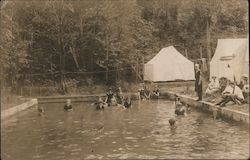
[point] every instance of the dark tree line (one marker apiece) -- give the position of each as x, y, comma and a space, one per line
76, 36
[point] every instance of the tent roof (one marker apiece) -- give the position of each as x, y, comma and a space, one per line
169, 65
167, 54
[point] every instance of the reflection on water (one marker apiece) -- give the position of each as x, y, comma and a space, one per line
142, 132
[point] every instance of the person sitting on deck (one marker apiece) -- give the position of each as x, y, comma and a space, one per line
223, 81
243, 81
156, 92
179, 107
213, 87
231, 93
245, 88
100, 104
68, 105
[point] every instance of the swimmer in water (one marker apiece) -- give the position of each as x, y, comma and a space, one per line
40, 110
110, 98
100, 104
172, 121
127, 102
179, 107
68, 105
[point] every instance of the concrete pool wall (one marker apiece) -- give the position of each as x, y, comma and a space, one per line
16, 109
224, 113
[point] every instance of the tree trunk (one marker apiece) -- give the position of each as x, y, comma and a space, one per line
107, 59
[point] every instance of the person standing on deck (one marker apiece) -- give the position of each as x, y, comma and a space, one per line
198, 82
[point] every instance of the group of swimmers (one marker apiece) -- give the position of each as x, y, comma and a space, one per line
180, 109
67, 107
114, 99
144, 93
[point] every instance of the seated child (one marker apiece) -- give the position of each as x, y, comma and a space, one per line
245, 91
213, 87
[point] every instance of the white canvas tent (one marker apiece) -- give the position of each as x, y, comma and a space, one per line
169, 65
230, 59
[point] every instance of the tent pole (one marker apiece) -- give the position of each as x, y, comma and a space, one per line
186, 53
200, 51
208, 42
137, 70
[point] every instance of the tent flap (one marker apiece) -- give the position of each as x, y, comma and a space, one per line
229, 59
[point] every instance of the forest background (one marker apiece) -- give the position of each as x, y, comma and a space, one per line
68, 44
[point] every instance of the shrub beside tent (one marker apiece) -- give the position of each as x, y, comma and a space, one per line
231, 59
169, 65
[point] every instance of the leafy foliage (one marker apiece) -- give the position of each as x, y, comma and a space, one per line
68, 36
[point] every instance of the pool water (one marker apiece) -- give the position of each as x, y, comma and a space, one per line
142, 132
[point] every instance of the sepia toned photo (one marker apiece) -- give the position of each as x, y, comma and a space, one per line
124, 79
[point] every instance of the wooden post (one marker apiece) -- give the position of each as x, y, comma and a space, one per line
208, 42
107, 59
137, 70
30, 91
200, 51
1, 99
21, 91
208, 49
186, 54
116, 73
143, 69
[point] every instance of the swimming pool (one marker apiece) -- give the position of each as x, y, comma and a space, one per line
142, 132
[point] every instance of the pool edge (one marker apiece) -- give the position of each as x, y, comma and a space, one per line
14, 110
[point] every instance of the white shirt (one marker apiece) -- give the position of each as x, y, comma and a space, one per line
228, 89
238, 92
